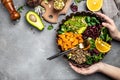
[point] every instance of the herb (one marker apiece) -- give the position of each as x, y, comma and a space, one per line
92, 43
94, 58
91, 21
105, 34
50, 27
21, 8
60, 32
77, 1
63, 29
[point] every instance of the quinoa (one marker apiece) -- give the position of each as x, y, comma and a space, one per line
78, 55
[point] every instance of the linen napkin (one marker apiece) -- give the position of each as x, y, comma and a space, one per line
117, 3
109, 8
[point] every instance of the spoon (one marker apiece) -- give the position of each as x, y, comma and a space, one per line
81, 46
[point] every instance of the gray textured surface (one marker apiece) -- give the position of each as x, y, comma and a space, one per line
23, 52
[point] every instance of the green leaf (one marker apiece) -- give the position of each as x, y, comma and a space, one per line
94, 58
63, 28
92, 43
105, 34
87, 19
89, 24
93, 23
21, 8
60, 32
108, 38
77, 1
50, 27
89, 60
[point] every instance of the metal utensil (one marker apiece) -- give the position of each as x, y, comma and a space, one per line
81, 46
60, 54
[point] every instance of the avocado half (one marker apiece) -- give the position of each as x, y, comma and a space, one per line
34, 19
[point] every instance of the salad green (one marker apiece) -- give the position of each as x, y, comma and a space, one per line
92, 21
104, 34
94, 58
92, 43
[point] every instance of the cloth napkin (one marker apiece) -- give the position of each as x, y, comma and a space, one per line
117, 3
110, 8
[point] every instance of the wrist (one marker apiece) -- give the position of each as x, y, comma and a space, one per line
117, 37
101, 66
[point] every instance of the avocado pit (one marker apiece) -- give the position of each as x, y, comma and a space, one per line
32, 18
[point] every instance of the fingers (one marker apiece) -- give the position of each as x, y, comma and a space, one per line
107, 25
84, 71
75, 68
109, 20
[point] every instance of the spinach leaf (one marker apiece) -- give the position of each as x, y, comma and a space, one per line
91, 21
87, 19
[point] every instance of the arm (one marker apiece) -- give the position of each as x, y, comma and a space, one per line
107, 69
110, 70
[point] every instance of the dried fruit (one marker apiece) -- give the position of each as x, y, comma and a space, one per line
74, 8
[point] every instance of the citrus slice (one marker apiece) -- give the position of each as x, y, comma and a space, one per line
102, 46
94, 5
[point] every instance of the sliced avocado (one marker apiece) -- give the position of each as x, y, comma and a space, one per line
81, 30
34, 19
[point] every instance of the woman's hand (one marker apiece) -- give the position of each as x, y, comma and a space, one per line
114, 32
87, 71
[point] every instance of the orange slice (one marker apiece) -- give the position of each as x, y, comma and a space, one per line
94, 5
102, 46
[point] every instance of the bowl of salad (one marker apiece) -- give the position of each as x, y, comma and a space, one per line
83, 28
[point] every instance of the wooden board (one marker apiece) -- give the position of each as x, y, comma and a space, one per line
51, 15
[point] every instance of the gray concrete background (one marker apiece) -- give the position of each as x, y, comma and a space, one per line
23, 51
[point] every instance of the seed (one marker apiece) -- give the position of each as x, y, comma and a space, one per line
32, 18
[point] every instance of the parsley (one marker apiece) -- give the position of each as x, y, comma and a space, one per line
94, 58
21, 8
50, 27
105, 34
77, 1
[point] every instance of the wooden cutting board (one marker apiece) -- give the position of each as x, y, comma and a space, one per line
51, 15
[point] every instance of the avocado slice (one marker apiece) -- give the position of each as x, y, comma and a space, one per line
34, 19
81, 30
